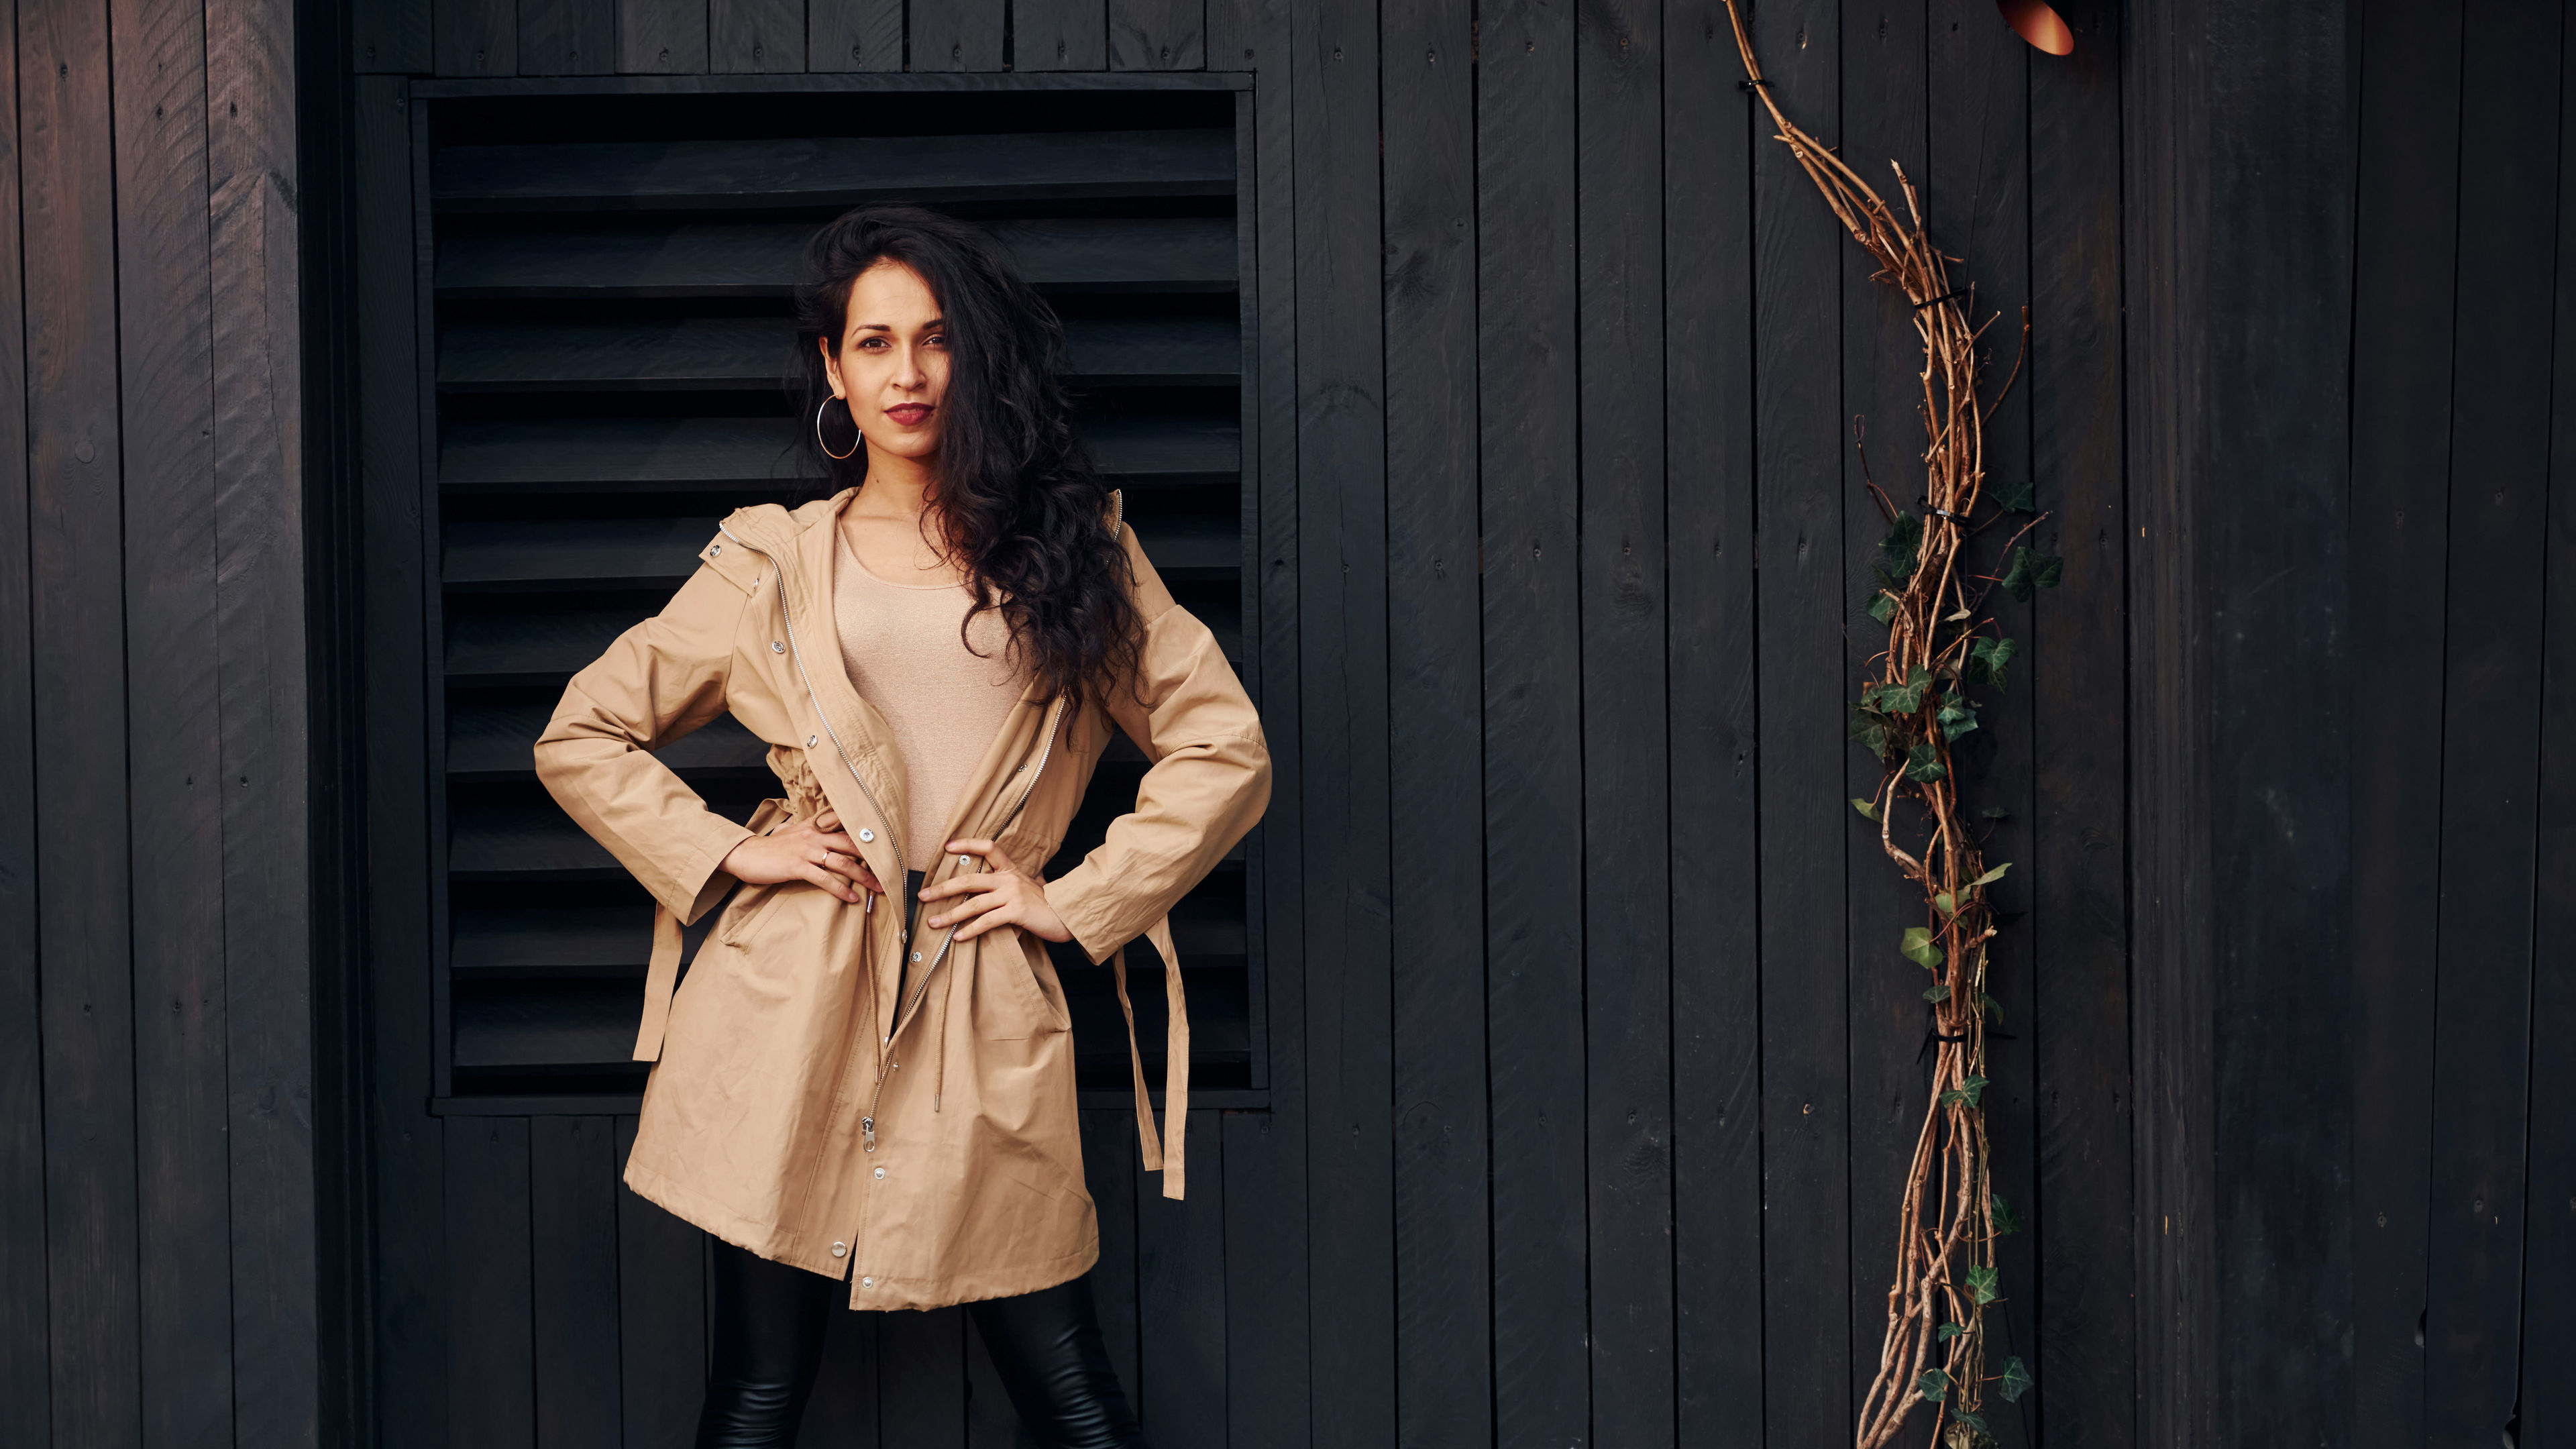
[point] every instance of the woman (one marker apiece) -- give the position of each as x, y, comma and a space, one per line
873, 1098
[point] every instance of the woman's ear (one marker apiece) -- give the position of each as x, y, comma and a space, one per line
831, 365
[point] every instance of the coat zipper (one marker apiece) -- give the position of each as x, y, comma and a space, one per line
796, 651
903, 928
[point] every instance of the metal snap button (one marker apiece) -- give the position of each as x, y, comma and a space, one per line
776, 647
880, 1172
916, 955
965, 860
866, 835
867, 1282
717, 549
810, 739
840, 1250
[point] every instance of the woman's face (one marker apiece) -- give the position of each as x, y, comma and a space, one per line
891, 364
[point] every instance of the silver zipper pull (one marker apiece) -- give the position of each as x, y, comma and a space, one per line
868, 1125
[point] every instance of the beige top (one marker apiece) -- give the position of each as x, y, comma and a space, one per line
942, 704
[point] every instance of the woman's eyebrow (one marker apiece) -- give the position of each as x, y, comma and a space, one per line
935, 322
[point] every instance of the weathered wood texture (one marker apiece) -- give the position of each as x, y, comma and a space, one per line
1587, 1069
159, 1246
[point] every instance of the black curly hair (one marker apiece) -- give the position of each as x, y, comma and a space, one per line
1018, 497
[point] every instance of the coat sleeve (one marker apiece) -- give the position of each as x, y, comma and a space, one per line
661, 679
1207, 784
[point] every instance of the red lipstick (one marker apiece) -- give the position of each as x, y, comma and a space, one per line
909, 414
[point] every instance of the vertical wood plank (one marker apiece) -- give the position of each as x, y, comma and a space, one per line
410, 1156
1342, 698
258, 348
1709, 683
1157, 34
1627, 885
2085, 1316
1060, 34
854, 35
2164, 141
491, 1383
2405, 276
663, 37
390, 37
755, 37
921, 1379
1269, 1279
1180, 1298
2077, 679
1884, 88
1109, 1172
1977, 185
75, 463
476, 37
174, 763
2548, 1397
1265, 1266
2491, 723
1443, 1272
954, 35
572, 1226
662, 1334
567, 37
25, 1401
1527, 320
1884, 99
1802, 429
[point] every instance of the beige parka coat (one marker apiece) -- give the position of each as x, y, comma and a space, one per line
927, 1148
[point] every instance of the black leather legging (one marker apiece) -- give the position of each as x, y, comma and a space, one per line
769, 1323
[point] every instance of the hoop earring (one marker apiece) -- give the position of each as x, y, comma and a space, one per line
818, 433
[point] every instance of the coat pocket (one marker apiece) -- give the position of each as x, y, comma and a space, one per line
747, 905
1017, 995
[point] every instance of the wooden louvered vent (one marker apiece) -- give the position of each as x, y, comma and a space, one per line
610, 276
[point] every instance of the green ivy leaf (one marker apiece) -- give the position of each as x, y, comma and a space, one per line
1937, 993
1995, 812
1981, 1283
1970, 1418
1904, 540
2002, 1212
1868, 810
1935, 1385
1904, 698
1882, 606
1949, 1331
1923, 764
1989, 1005
1871, 730
1971, 1090
1991, 876
1942, 899
2016, 1380
2032, 571
1986, 661
2015, 496
1919, 948
1956, 716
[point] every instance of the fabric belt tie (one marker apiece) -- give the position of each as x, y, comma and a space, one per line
1176, 1061
661, 978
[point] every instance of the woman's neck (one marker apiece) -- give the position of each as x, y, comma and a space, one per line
895, 485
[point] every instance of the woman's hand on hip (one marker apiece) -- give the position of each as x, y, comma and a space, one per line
1001, 895
815, 850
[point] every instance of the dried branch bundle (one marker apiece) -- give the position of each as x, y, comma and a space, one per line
1913, 706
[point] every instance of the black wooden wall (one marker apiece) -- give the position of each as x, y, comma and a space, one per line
1576, 1066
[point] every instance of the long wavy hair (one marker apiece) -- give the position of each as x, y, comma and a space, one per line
1018, 499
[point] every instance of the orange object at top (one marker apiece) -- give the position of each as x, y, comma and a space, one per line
2035, 22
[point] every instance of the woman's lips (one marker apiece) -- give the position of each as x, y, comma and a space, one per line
909, 414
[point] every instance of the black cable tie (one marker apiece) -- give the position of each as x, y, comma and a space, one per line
1944, 297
